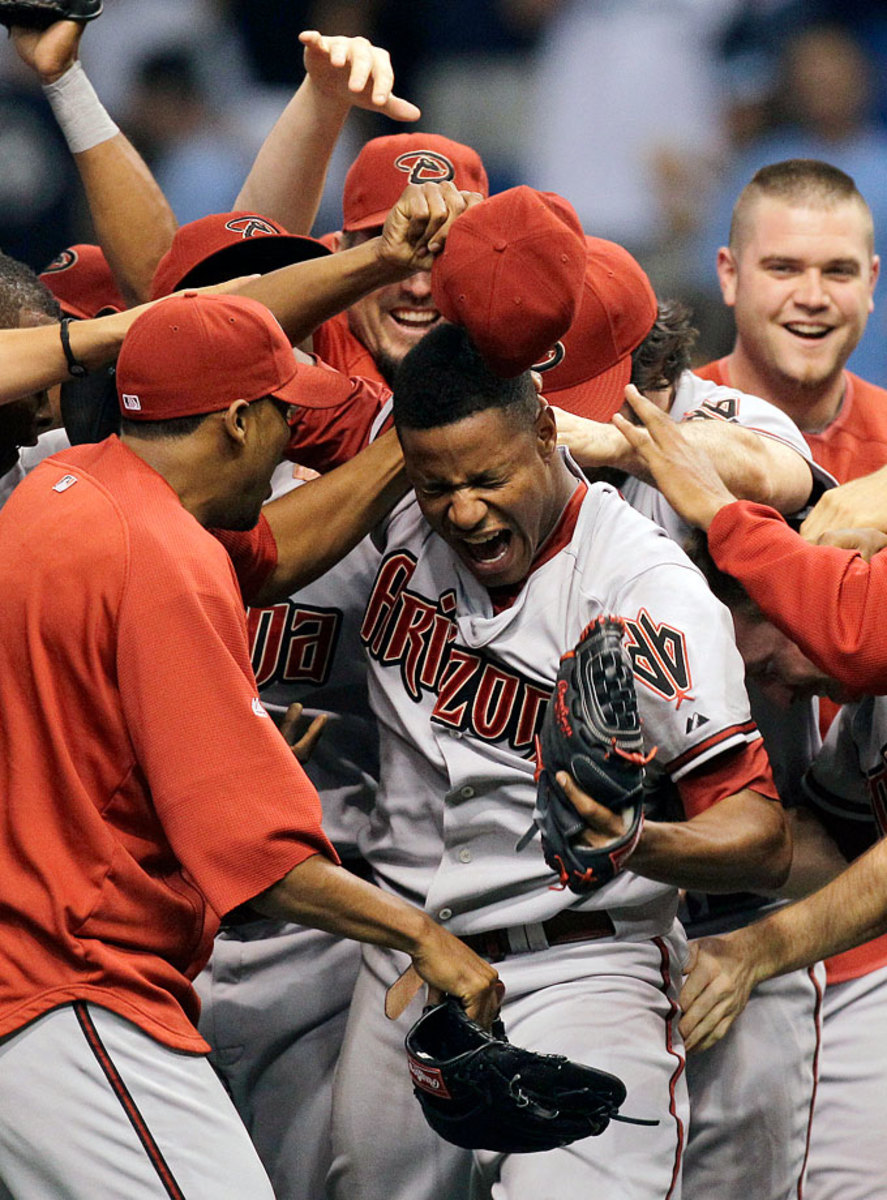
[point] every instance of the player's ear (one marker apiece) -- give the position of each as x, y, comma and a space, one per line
546, 429
726, 267
874, 272
235, 420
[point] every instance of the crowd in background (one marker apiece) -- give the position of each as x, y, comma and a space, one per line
648, 115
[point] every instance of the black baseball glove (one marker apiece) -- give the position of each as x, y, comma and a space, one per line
480, 1092
592, 731
40, 14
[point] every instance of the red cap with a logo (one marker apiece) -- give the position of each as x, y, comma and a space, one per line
81, 281
197, 354
385, 166
511, 274
225, 245
586, 370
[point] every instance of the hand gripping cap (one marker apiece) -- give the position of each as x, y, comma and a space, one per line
480, 1092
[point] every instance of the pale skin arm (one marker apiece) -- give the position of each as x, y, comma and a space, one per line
861, 502
286, 180
741, 843
851, 910
134, 223
322, 895
306, 294
750, 465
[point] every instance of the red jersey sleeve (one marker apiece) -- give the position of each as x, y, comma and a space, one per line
827, 600
728, 774
323, 438
236, 807
254, 555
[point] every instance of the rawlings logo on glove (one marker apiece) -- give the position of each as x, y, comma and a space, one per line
592, 731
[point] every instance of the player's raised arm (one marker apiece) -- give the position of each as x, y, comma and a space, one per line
317, 524
750, 465
287, 178
133, 220
305, 294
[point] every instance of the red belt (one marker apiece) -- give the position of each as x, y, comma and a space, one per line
567, 926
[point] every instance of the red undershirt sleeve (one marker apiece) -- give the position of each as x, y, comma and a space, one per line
828, 600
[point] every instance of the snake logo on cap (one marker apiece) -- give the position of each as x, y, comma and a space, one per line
553, 358
249, 227
425, 166
61, 262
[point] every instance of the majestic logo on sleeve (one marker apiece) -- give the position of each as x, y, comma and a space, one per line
659, 658
249, 227
474, 691
293, 643
425, 166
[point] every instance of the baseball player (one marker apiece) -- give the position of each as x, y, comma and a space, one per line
799, 273
275, 995
105, 1090
746, 540
485, 578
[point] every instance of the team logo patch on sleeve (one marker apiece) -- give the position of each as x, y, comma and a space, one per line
64, 483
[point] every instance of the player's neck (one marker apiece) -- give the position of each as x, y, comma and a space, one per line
811, 408
173, 460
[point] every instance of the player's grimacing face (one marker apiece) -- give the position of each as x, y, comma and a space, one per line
488, 489
801, 283
779, 667
392, 319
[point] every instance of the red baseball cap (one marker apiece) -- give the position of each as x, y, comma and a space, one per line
196, 354
586, 370
225, 245
386, 165
81, 281
511, 274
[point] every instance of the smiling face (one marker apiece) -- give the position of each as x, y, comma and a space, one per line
491, 487
392, 319
800, 279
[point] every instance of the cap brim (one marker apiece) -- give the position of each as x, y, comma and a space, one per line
597, 398
315, 387
251, 256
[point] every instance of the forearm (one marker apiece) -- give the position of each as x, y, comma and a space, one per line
33, 359
133, 221
851, 910
752, 466
317, 524
742, 843
306, 294
287, 178
827, 600
325, 896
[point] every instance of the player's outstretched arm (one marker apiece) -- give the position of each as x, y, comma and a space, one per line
325, 896
286, 180
317, 524
304, 295
850, 910
742, 843
133, 221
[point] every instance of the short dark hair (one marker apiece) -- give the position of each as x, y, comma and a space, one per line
443, 379
665, 353
20, 288
798, 181
175, 427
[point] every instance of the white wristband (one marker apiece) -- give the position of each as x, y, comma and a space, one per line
80, 114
